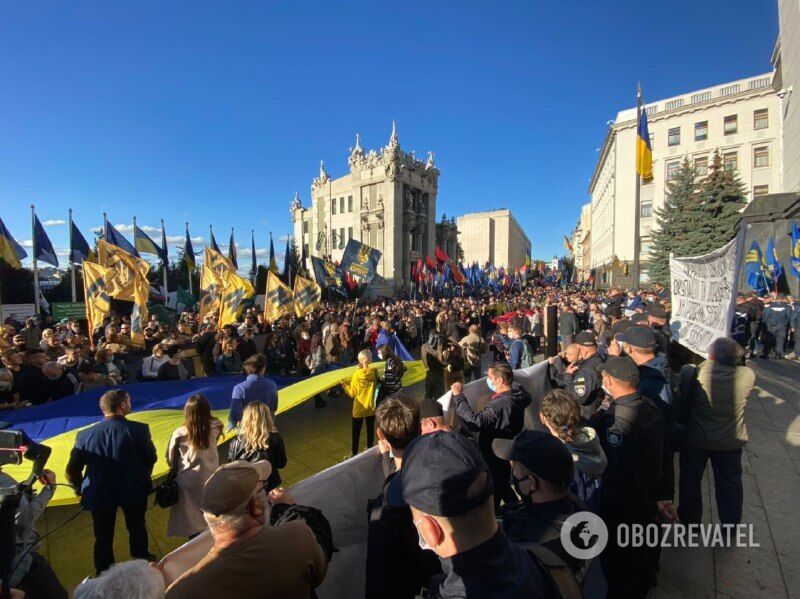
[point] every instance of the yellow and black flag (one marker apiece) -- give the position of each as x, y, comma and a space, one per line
237, 293
127, 280
210, 291
279, 300
98, 302
307, 295
644, 151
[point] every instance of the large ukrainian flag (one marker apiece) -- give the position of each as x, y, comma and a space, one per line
644, 152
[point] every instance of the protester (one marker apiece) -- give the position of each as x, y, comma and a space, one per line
474, 347
392, 381
228, 362
59, 382
316, 364
135, 579
361, 388
91, 378
286, 558
193, 450
256, 387
173, 369
153, 362
258, 440
432, 417
502, 418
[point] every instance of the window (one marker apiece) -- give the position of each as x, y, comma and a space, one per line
672, 169
644, 247
341, 205
349, 232
646, 209
761, 119
341, 236
701, 131
730, 161
333, 206
731, 124
701, 166
305, 251
674, 136
305, 227
349, 203
761, 156
760, 190
652, 141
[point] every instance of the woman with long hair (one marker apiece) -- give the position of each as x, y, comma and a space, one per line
361, 387
194, 446
259, 439
315, 362
561, 415
393, 370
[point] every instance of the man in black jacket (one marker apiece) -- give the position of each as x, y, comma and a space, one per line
59, 382
502, 418
568, 325
581, 379
110, 467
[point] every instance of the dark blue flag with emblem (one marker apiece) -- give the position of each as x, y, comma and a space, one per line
42, 247
79, 249
328, 275
360, 260
116, 238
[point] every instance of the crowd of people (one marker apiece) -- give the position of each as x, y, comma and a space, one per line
473, 500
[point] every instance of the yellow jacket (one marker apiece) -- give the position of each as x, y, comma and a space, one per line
362, 389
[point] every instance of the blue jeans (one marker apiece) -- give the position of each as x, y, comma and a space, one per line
727, 467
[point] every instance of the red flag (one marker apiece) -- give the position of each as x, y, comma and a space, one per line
430, 265
458, 276
441, 256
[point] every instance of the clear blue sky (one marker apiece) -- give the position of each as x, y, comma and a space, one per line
216, 112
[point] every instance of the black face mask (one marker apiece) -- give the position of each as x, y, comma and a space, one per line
515, 483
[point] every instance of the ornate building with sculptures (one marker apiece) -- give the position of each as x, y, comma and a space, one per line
387, 200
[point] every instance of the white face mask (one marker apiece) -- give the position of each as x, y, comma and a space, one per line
423, 544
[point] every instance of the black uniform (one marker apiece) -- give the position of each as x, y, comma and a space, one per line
631, 433
776, 321
585, 385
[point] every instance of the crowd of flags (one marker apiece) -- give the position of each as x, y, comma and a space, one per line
765, 269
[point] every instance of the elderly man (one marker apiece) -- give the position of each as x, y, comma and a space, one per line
712, 398
288, 558
59, 381
431, 416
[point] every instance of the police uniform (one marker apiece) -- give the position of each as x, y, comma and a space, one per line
585, 384
776, 320
795, 324
631, 433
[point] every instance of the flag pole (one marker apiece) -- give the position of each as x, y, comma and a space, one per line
189, 268
637, 215
71, 262
35, 263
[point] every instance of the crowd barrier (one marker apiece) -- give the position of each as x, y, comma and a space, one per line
342, 491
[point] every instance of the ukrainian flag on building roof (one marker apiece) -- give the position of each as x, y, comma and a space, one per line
644, 152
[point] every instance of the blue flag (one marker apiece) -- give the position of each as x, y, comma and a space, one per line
188, 251
164, 251
360, 260
115, 237
754, 267
232, 251
773, 263
79, 249
213, 243
42, 248
287, 263
253, 264
328, 275
795, 254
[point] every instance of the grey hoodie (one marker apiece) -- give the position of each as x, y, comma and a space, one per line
590, 463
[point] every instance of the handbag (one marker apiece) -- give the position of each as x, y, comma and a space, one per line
167, 492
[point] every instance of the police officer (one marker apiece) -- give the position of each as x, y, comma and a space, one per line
776, 320
581, 379
631, 432
756, 323
796, 328
743, 316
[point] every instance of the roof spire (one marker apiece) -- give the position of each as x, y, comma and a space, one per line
394, 142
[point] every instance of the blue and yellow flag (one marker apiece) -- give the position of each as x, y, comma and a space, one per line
188, 252
644, 152
10, 250
279, 300
796, 250
143, 242
773, 262
232, 251
42, 247
307, 295
79, 249
360, 260
755, 267
118, 239
328, 275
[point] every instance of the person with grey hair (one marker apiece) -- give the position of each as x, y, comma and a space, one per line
711, 401
59, 382
135, 579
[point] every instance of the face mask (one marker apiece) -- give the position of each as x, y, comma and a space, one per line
515, 483
490, 384
423, 544
605, 390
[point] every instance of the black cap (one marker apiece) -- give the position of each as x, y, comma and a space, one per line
619, 326
586, 339
430, 408
543, 454
659, 311
642, 337
638, 318
439, 469
620, 368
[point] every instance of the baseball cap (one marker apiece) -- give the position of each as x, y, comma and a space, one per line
430, 408
233, 484
643, 337
543, 454
659, 311
586, 339
638, 317
620, 368
438, 471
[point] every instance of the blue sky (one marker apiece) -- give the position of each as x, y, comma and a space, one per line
217, 112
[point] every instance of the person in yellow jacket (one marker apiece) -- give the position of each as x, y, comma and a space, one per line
362, 389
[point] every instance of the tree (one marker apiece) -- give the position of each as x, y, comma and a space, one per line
676, 223
177, 274
722, 198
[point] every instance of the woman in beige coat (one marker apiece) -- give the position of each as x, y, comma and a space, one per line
195, 444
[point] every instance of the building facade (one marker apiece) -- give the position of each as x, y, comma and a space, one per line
740, 119
387, 201
493, 236
786, 60
447, 237
581, 243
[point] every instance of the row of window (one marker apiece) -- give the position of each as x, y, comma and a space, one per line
730, 160
730, 125
341, 205
646, 208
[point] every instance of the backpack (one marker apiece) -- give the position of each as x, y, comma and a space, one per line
555, 570
526, 359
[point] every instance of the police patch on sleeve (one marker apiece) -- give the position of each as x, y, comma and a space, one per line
614, 438
580, 386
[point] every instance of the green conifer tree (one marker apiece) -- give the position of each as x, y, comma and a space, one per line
722, 197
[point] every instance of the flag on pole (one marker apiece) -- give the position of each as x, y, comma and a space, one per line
188, 252
116, 238
773, 262
232, 251
360, 260
644, 151
127, 281
328, 275
213, 242
237, 293
164, 255
795, 254
42, 247
10, 250
253, 264
287, 263
210, 291
143, 242
307, 295
98, 302
79, 248
279, 299
568, 245
273, 265
754, 267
